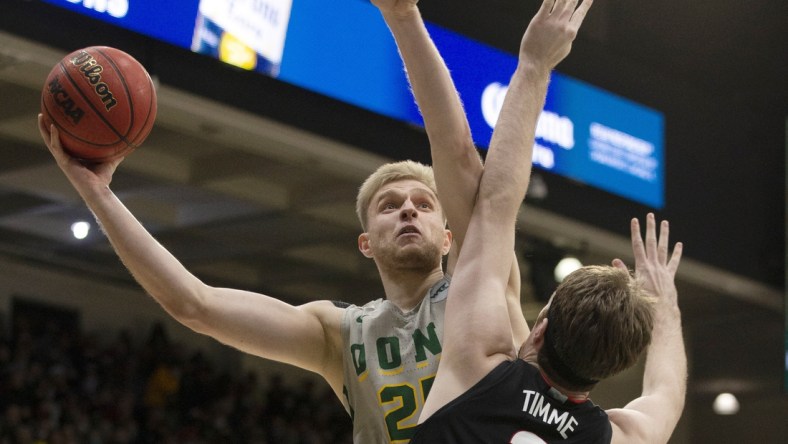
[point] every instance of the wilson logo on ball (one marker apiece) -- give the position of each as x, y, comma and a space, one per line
92, 71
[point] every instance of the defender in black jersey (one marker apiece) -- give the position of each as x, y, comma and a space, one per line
597, 323
511, 403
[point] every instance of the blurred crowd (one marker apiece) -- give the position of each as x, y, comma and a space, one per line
60, 386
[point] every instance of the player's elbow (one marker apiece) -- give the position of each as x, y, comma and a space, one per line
500, 203
665, 423
189, 306
454, 142
671, 392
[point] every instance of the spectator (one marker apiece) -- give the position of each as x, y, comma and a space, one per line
78, 390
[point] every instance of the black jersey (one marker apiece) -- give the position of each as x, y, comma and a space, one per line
513, 404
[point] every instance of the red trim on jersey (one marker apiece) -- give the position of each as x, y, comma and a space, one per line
573, 399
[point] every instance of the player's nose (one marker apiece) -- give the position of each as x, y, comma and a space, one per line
408, 210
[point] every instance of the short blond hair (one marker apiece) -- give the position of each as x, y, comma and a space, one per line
600, 321
391, 172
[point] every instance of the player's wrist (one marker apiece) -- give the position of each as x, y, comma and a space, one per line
402, 15
533, 70
94, 193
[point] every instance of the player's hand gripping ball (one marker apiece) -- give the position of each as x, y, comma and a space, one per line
102, 101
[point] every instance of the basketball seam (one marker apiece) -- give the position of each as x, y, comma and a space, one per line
122, 79
128, 138
125, 137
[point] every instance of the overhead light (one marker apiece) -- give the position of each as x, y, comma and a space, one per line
566, 266
726, 404
80, 229
537, 188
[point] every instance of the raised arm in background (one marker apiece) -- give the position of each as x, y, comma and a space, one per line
652, 417
457, 165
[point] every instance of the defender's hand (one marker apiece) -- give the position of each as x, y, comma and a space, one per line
551, 32
652, 265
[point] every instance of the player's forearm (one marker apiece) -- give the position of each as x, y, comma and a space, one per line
156, 270
508, 167
506, 175
666, 364
433, 88
482, 280
456, 162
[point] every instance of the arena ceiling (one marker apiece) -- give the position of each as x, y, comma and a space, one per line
264, 200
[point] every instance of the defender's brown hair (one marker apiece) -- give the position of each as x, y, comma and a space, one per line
599, 322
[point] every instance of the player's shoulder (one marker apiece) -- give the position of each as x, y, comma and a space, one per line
333, 312
327, 312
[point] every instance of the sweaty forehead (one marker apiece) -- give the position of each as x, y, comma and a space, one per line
403, 187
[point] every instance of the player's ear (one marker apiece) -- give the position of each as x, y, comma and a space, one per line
363, 245
538, 333
447, 238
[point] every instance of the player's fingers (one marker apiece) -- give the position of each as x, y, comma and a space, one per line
54, 135
565, 8
662, 245
51, 138
54, 145
651, 236
43, 129
558, 7
618, 263
675, 259
547, 7
580, 13
637, 242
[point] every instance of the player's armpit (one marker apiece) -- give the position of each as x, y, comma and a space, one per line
628, 426
645, 420
520, 329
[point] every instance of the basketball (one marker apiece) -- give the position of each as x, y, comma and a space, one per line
102, 101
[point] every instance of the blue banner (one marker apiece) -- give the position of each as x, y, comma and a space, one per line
344, 50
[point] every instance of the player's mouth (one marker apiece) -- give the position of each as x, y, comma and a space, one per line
409, 230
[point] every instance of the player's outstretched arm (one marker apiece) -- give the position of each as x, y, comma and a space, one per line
476, 332
306, 336
652, 417
456, 162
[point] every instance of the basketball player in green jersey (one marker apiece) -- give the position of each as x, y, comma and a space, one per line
392, 346
379, 359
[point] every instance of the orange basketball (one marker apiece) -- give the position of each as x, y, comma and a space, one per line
102, 101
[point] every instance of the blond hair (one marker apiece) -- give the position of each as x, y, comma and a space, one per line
391, 172
600, 321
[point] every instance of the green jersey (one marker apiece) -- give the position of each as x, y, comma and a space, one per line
390, 360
